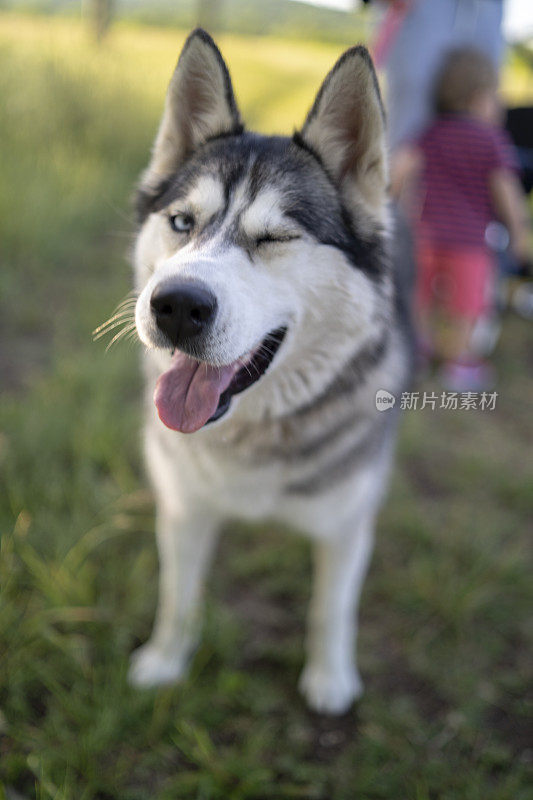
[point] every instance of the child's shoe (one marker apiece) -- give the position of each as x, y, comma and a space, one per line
467, 376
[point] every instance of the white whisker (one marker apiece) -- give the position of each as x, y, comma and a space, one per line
128, 329
245, 365
124, 314
110, 324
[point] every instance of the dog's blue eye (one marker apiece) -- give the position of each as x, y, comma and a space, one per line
182, 223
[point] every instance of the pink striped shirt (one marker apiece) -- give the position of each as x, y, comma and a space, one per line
459, 155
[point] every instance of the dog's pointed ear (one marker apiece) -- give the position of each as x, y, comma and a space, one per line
345, 128
199, 105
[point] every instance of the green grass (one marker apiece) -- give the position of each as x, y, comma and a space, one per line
445, 610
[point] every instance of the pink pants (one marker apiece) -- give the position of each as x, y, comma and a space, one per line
455, 279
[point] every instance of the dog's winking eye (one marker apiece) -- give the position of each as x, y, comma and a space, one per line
271, 238
181, 223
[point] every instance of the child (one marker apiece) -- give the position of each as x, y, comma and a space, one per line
466, 177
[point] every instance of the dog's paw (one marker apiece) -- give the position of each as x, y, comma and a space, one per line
152, 666
330, 691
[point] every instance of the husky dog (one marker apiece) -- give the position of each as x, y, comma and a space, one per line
270, 311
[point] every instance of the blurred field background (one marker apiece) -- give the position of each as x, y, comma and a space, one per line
445, 610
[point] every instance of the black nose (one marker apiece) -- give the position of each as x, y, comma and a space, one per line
182, 309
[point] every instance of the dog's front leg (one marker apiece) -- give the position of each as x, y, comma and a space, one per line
330, 680
185, 542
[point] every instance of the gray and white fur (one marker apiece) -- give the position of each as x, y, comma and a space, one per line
291, 234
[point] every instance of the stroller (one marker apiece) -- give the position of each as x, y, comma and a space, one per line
516, 284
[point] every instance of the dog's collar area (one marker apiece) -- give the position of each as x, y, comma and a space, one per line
251, 372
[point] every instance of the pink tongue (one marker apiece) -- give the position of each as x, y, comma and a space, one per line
187, 394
